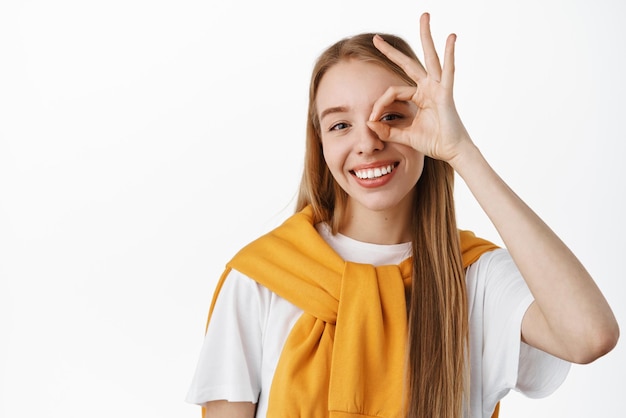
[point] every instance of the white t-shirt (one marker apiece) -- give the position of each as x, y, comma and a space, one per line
250, 325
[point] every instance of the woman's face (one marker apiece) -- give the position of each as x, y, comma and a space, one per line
376, 175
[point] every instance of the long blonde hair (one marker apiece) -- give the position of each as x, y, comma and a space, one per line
438, 312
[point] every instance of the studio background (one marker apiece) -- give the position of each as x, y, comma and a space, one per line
143, 142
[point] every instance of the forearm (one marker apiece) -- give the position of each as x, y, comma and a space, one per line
570, 317
225, 409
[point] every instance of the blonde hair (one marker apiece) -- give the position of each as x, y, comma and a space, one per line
438, 311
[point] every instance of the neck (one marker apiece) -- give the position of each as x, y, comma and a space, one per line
387, 226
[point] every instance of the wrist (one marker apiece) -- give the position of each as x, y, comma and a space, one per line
467, 154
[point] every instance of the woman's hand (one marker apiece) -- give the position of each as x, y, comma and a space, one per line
570, 318
437, 130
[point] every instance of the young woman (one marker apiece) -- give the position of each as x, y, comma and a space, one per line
369, 301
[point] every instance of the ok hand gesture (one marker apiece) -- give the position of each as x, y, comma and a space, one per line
437, 130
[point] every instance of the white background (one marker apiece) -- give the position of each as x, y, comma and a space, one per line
143, 142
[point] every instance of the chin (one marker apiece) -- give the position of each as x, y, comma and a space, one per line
380, 204
381, 201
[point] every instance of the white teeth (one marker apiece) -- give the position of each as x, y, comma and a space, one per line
372, 173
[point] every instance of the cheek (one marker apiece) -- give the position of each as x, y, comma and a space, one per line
415, 163
419, 161
334, 155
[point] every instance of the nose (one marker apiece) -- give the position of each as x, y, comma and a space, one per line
368, 141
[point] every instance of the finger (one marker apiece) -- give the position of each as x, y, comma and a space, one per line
392, 94
381, 129
389, 133
447, 78
431, 59
411, 67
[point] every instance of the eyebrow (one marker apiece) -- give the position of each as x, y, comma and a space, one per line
337, 109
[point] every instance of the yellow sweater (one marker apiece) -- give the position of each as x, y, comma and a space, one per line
345, 356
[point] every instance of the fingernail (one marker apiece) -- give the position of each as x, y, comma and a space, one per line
380, 38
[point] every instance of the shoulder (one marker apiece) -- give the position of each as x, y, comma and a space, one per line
495, 287
240, 287
497, 255
491, 265
244, 297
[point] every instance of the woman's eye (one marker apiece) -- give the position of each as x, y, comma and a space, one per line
390, 117
339, 126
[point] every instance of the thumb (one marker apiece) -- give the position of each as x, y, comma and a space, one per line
386, 132
381, 129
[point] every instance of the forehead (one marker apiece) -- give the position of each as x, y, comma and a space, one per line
354, 83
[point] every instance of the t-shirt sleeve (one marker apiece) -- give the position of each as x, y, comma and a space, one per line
229, 367
500, 292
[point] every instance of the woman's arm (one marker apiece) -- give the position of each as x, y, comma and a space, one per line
225, 409
570, 317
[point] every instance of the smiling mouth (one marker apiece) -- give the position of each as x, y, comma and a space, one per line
374, 172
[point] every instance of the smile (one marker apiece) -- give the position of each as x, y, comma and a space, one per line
374, 172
